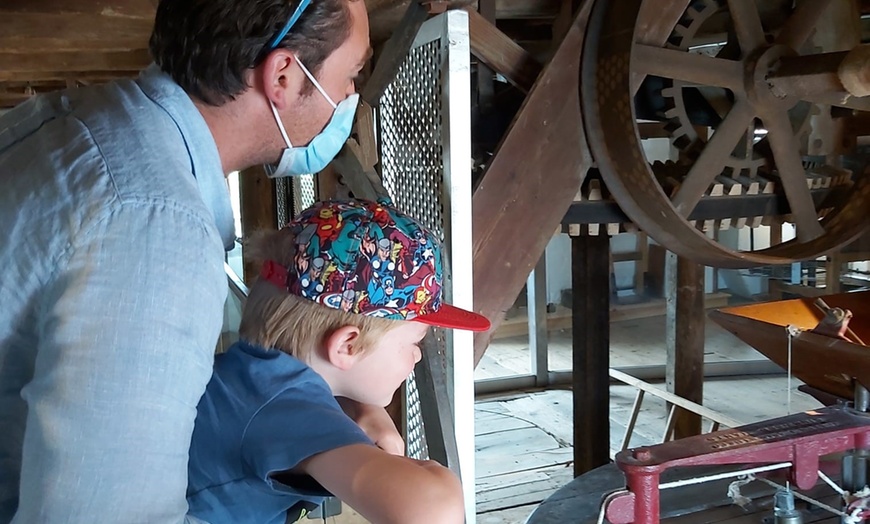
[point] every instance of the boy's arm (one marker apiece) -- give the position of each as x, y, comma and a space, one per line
376, 423
387, 489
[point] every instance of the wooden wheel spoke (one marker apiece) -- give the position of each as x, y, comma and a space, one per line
801, 23
786, 153
713, 157
688, 67
747, 23
839, 99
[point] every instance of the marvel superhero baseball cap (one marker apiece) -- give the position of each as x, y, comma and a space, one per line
369, 258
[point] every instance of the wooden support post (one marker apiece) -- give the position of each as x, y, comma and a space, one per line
436, 407
590, 284
536, 293
685, 316
258, 208
642, 264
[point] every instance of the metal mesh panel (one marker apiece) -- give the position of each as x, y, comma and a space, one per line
282, 195
416, 440
293, 194
411, 122
303, 193
410, 117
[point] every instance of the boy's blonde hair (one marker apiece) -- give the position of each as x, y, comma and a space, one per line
274, 318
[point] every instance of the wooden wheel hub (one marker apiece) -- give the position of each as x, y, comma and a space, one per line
759, 90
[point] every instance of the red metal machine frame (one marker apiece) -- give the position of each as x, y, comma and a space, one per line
800, 438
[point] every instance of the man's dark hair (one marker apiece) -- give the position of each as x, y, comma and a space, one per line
206, 46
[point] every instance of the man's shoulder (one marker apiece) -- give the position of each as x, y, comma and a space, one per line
132, 130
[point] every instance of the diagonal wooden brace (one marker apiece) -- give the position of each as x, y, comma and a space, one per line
530, 182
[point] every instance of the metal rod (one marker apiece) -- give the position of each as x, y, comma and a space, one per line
805, 498
669, 424
725, 475
629, 428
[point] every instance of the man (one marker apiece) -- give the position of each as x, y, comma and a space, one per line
116, 216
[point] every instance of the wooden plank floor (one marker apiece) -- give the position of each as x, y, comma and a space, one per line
634, 342
524, 439
524, 442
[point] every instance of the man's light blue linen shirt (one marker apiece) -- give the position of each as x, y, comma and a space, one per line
115, 216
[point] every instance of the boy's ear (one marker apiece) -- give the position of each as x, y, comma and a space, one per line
340, 347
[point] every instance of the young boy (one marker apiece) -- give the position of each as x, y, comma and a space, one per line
340, 314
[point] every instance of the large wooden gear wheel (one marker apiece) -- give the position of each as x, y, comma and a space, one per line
772, 80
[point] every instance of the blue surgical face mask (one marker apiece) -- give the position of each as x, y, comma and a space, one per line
324, 146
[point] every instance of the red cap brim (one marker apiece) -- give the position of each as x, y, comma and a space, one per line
452, 317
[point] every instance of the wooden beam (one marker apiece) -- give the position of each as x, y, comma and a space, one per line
684, 372
527, 9
590, 289
118, 8
563, 20
53, 32
395, 51
8, 100
530, 183
51, 80
500, 53
362, 180
485, 77
15, 67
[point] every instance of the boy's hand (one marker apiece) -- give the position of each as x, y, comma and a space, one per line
376, 424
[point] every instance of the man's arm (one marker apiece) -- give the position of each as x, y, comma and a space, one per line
127, 339
388, 489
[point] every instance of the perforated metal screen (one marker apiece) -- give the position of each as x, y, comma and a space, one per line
425, 164
416, 445
293, 195
304, 193
411, 169
411, 137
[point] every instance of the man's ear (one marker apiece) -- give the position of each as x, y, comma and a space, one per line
340, 347
282, 80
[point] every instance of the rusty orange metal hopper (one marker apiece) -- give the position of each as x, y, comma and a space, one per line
822, 362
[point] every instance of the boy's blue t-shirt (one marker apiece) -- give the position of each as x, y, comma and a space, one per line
262, 413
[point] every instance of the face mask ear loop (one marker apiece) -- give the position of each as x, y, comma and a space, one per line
280, 125
315, 82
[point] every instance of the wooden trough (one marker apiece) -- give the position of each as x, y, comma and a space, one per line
825, 363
